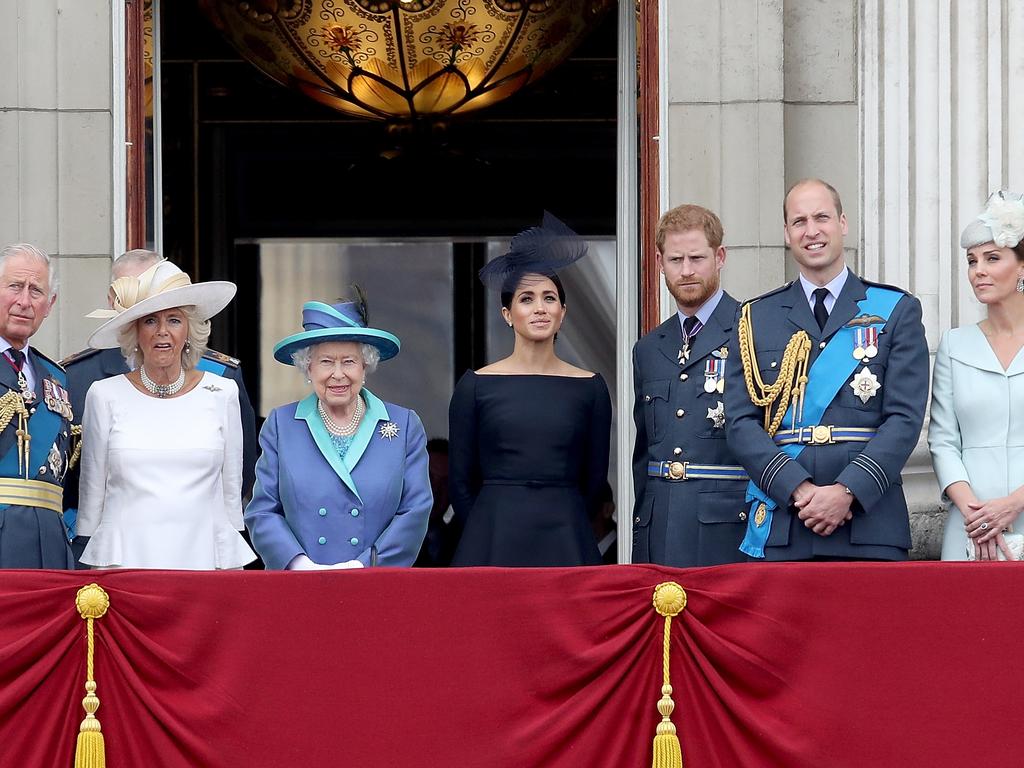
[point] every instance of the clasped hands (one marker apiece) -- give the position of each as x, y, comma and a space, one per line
822, 508
985, 522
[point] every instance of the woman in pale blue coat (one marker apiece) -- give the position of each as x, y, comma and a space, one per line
976, 434
343, 481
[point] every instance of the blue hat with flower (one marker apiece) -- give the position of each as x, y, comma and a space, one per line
345, 321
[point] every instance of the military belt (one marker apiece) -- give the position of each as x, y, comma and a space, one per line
679, 471
823, 435
31, 493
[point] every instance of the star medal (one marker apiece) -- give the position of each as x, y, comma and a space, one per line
55, 460
717, 415
865, 384
870, 342
389, 430
858, 344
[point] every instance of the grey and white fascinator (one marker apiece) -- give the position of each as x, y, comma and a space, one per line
1002, 222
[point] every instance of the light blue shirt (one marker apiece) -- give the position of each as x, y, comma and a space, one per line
835, 287
705, 311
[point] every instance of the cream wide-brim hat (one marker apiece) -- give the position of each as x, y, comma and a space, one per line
162, 286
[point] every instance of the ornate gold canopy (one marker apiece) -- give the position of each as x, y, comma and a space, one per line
404, 59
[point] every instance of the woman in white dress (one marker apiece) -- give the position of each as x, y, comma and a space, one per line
162, 445
976, 434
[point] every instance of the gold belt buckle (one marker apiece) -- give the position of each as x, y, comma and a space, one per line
677, 470
821, 435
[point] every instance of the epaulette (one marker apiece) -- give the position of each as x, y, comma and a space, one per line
220, 357
885, 285
772, 292
50, 360
85, 354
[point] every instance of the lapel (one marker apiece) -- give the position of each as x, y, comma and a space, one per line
8, 376
800, 310
969, 346
376, 412
845, 308
670, 338
306, 410
715, 332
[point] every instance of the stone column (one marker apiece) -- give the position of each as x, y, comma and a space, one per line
941, 130
56, 133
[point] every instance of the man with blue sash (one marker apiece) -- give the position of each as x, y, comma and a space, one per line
35, 419
689, 487
90, 365
828, 402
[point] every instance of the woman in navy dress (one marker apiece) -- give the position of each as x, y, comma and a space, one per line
529, 434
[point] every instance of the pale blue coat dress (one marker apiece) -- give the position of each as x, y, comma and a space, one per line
976, 432
371, 506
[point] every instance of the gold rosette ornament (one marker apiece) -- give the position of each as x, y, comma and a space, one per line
92, 603
669, 601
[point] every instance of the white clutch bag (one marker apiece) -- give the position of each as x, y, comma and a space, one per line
1014, 542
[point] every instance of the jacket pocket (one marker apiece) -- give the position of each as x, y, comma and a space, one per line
655, 398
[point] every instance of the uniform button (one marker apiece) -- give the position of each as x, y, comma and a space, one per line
821, 345
774, 363
647, 398
42, 470
638, 519
322, 540
353, 541
683, 377
680, 413
354, 513
677, 451
323, 512
743, 517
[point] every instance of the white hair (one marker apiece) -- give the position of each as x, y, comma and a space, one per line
301, 358
27, 249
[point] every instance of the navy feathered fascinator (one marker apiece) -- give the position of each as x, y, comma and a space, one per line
541, 250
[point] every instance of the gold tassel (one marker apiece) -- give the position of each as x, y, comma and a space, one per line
92, 603
669, 601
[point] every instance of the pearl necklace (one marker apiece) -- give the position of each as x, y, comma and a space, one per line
348, 429
162, 390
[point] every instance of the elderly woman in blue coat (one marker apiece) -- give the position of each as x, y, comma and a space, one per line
343, 480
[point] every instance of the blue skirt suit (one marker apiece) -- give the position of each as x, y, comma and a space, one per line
309, 501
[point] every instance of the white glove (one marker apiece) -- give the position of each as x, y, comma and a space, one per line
346, 565
303, 563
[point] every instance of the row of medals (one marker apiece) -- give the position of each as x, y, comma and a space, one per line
865, 384
714, 368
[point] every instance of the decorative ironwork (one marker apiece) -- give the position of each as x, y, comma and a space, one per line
405, 59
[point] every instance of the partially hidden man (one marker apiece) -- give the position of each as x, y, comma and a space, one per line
826, 400
35, 419
689, 487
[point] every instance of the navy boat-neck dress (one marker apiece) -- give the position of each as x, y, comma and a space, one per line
528, 459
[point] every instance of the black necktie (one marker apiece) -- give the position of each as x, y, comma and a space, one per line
690, 327
820, 313
17, 357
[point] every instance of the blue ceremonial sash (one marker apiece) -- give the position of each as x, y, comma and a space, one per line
830, 371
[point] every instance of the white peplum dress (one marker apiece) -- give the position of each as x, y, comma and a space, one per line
161, 478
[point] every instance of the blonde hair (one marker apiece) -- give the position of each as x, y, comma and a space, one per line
195, 346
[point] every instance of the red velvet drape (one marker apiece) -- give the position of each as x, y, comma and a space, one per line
773, 665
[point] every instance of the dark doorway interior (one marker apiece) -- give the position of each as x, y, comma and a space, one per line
245, 159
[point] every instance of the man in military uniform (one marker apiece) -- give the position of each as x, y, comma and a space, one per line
829, 399
689, 488
35, 419
89, 365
